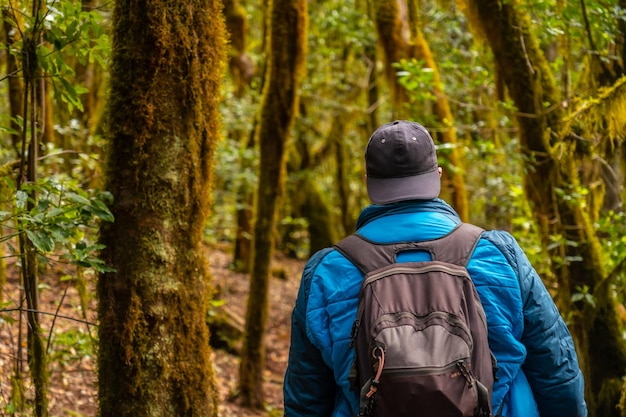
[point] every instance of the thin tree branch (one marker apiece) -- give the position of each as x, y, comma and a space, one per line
47, 313
592, 44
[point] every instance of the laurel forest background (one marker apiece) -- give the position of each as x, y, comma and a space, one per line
137, 137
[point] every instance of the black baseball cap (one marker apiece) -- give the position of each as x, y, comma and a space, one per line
401, 163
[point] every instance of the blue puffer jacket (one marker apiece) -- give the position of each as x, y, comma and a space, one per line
538, 372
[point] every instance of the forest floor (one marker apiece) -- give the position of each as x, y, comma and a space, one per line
73, 390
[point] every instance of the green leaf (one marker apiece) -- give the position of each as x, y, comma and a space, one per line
21, 198
577, 297
79, 199
42, 241
102, 214
56, 211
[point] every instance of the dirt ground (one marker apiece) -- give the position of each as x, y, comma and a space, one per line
73, 383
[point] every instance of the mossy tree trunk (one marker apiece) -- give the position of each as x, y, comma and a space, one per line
37, 354
243, 240
241, 66
24, 82
32, 135
162, 124
342, 148
242, 69
393, 37
554, 156
453, 176
400, 36
286, 50
9, 35
15, 85
373, 96
307, 200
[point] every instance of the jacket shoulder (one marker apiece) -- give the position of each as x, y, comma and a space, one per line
308, 272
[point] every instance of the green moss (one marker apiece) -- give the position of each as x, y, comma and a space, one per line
163, 123
285, 66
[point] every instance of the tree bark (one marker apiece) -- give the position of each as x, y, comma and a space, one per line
453, 182
242, 70
241, 66
285, 66
162, 124
307, 199
33, 116
394, 37
15, 85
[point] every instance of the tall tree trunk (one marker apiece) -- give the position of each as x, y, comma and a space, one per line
241, 66
453, 178
399, 34
342, 153
163, 124
553, 157
306, 199
285, 67
33, 116
15, 85
244, 216
37, 358
390, 18
373, 96
24, 78
242, 70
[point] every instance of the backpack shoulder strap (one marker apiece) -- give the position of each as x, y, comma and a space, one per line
456, 247
365, 254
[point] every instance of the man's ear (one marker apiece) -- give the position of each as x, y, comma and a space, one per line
440, 170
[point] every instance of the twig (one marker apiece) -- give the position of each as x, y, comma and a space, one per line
28, 310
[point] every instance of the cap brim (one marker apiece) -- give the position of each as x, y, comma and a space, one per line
417, 187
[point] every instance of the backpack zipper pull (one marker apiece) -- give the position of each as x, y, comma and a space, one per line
466, 373
379, 354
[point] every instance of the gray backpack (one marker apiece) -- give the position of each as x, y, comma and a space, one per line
420, 335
